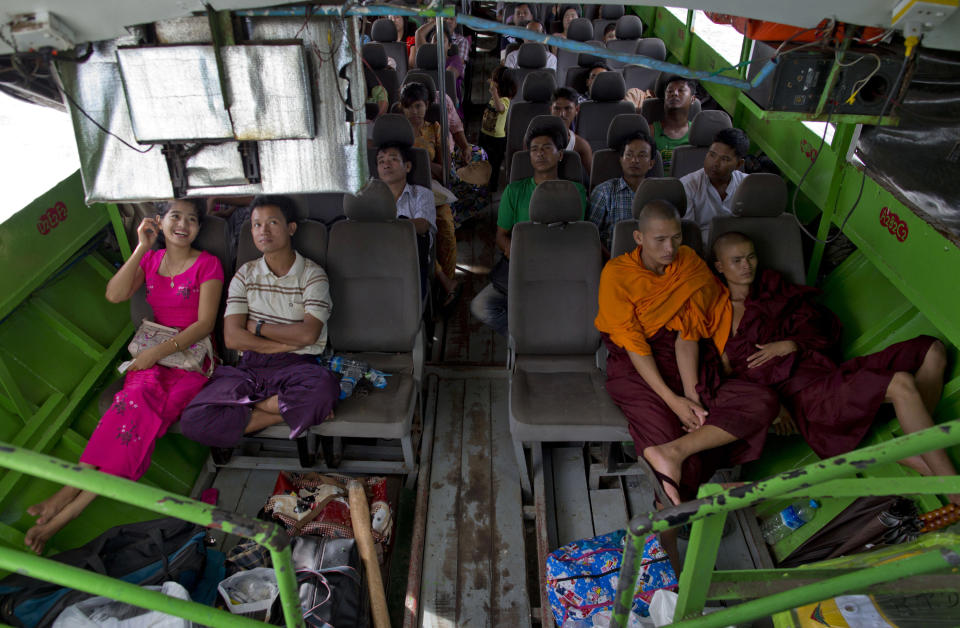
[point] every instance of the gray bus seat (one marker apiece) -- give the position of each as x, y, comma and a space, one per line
652, 108
395, 128
532, 57
376, 70
606, 161
629, 30
689, 158
579, 30
374, 276
644, 79
435, 110
427, 59
609, 14
536, 91
606, 101
759, 203
384, 32
556, 388
666, 188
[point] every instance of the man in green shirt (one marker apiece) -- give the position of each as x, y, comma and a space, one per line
545, 142
674, 129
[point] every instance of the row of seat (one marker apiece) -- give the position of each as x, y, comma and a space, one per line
556, 367
372, 265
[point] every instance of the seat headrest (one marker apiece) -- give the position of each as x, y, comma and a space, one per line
547, 122
375, 55
372, 203
587, 60
629, 27
624, 124
392, 128
760, 194
580, 29
427, 58
608, 87
539, 86
532, 55
418, 76
555, 201
652, 47
706, 125
611, 11
383, 30
660, 188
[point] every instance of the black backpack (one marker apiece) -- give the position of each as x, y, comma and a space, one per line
145, 553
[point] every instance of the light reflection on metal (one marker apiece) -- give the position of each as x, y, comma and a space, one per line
268, 88
174, 93
216, 165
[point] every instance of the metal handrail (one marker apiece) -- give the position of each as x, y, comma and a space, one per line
265, 533
819, 479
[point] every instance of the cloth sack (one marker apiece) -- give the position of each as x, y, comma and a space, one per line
197, 357
582, 576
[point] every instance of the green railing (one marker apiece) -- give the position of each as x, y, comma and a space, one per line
819, 480
265, 533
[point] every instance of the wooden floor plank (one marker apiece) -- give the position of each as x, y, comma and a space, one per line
511, 605
229, 483
438, 595
258, 489
475, 549
572, 500
609, 510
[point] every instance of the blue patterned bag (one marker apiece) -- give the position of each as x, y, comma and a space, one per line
582, 576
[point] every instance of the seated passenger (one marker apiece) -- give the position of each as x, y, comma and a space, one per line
521, 16
564, 105
656, 302
277, 311
674, 130
414, 102
493, 126
786, 340
598, 68
612, 200
511, 60
609, 32
183, 288
633, 95
413, 201
710, 189
545, 144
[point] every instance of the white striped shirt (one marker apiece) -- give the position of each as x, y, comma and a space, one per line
261, 295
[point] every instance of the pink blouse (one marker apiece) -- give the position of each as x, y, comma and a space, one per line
178, 305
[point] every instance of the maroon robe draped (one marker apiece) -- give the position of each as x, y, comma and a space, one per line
833, 404
743, 409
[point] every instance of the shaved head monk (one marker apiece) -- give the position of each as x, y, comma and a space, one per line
656, 303
784, 339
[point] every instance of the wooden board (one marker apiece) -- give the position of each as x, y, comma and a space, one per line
571, 498
609, 510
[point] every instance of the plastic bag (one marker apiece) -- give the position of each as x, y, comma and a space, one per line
250, 592
103, 612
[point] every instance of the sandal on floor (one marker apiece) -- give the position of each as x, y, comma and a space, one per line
451, 299
659, 479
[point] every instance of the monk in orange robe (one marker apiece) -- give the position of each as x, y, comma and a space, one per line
656, 303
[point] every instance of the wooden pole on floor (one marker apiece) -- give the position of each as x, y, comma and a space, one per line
360, 517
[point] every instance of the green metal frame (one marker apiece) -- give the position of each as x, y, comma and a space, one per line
265, 533
818, 480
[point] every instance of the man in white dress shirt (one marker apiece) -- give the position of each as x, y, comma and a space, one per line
710, 189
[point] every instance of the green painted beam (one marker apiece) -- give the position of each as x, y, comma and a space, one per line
121, 234
737, 585
701, 559
66, 328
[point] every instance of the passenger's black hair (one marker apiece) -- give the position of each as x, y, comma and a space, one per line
735, 139
566, 93
556, 134
505, 80
691, 83
612, 26
412, 92
600, 64
405, 153
639, 134
284, 203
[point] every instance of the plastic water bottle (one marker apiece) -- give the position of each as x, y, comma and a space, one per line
780, 525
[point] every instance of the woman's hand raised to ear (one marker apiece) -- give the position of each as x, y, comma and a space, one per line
148, 231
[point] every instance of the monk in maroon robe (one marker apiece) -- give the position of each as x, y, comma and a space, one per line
656, 304
782, 338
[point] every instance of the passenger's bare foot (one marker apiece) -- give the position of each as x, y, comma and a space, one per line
48, 508
918, 464
666, 469
37, 536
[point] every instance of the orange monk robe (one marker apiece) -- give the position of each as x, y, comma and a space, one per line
635, 303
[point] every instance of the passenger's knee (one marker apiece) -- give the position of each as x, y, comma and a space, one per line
902, 386
937, 356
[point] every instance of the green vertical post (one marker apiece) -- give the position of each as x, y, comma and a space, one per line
114, 212
701, 558
289, 590
745, 48
840, 145
629, 569
688, 37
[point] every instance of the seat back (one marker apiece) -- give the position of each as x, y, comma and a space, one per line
214, 238
394, 127
606, 101
579, 30
652, 109
384, 32
377, 71
629, 30
374, 276
436, 109
325, 207
609, 14
428, 60
606, 161
689, 158
652, 47
640, 77
623, 241
651, 189
536, 90
555, 265
310, 239
532, 57
759, 203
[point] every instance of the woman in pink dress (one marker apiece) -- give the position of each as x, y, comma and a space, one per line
183, 287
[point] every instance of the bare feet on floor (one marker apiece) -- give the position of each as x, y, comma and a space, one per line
37, 536
48, 508
666, 469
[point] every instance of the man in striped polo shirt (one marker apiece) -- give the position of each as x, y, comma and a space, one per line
277, 310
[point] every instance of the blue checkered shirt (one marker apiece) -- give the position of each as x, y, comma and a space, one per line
611, 202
